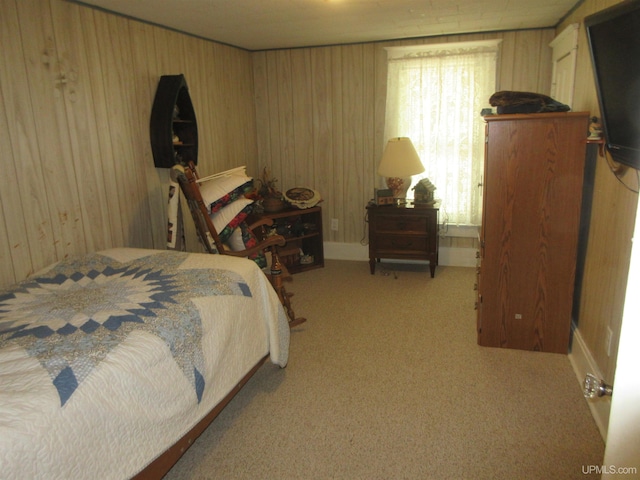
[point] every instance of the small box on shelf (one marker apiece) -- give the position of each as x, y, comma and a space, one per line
383, 196
289, 255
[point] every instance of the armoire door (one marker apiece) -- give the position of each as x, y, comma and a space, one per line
532, 197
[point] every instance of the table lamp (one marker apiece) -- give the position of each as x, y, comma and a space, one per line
399, 162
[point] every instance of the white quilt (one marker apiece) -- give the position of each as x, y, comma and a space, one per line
108, 361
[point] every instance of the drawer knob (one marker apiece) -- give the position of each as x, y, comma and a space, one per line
397, 244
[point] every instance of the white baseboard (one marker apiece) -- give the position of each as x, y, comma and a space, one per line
346, 251
457, 257
582, 362
447, 256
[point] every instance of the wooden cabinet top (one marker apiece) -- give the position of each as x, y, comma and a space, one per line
408, 207
290, 211
534, 116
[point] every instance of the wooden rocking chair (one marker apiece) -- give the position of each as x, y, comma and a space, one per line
188, 179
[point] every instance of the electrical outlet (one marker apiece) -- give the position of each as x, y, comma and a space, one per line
334, 224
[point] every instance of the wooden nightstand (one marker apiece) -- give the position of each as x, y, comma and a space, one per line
405, 232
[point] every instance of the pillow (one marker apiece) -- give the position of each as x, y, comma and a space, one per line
222, 190
235, 241
232, 196
228, 216
234, 231
243, 238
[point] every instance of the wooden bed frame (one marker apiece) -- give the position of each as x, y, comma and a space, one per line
161, 465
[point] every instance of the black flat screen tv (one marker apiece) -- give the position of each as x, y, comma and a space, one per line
614, 41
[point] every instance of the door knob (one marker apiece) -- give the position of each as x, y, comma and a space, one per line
594, 388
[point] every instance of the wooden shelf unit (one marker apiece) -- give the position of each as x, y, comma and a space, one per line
173, 115
302, 228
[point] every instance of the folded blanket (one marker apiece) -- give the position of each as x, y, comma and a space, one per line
175, 227
525, 102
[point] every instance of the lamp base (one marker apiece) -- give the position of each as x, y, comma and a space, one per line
399, 187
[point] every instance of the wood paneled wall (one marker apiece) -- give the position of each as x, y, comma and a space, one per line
612, 222
76, 90
320, 114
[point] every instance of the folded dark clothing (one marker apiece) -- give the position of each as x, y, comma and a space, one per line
525, 102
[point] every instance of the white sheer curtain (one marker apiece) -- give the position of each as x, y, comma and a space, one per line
434, 96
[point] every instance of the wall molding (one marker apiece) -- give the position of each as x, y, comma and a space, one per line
457, 257
447, 256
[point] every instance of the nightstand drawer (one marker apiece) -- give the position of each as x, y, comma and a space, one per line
403, 243
401, 223
403, 232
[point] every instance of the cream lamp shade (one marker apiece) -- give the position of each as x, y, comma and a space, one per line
399, 162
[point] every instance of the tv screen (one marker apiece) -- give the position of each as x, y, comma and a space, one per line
614, 41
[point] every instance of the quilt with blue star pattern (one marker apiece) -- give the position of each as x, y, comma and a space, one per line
72, 317
108, 359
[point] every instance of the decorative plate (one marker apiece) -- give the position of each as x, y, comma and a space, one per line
302, 197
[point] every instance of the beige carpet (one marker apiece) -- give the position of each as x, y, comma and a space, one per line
386, 381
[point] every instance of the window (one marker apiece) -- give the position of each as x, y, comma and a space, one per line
434, 96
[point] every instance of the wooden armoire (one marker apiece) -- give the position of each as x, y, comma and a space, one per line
532, 195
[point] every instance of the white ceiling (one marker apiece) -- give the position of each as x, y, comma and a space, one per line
271, 24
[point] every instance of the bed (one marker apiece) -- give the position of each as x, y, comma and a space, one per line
111, 364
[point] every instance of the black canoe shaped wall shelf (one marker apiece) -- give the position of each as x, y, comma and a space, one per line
173, 126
